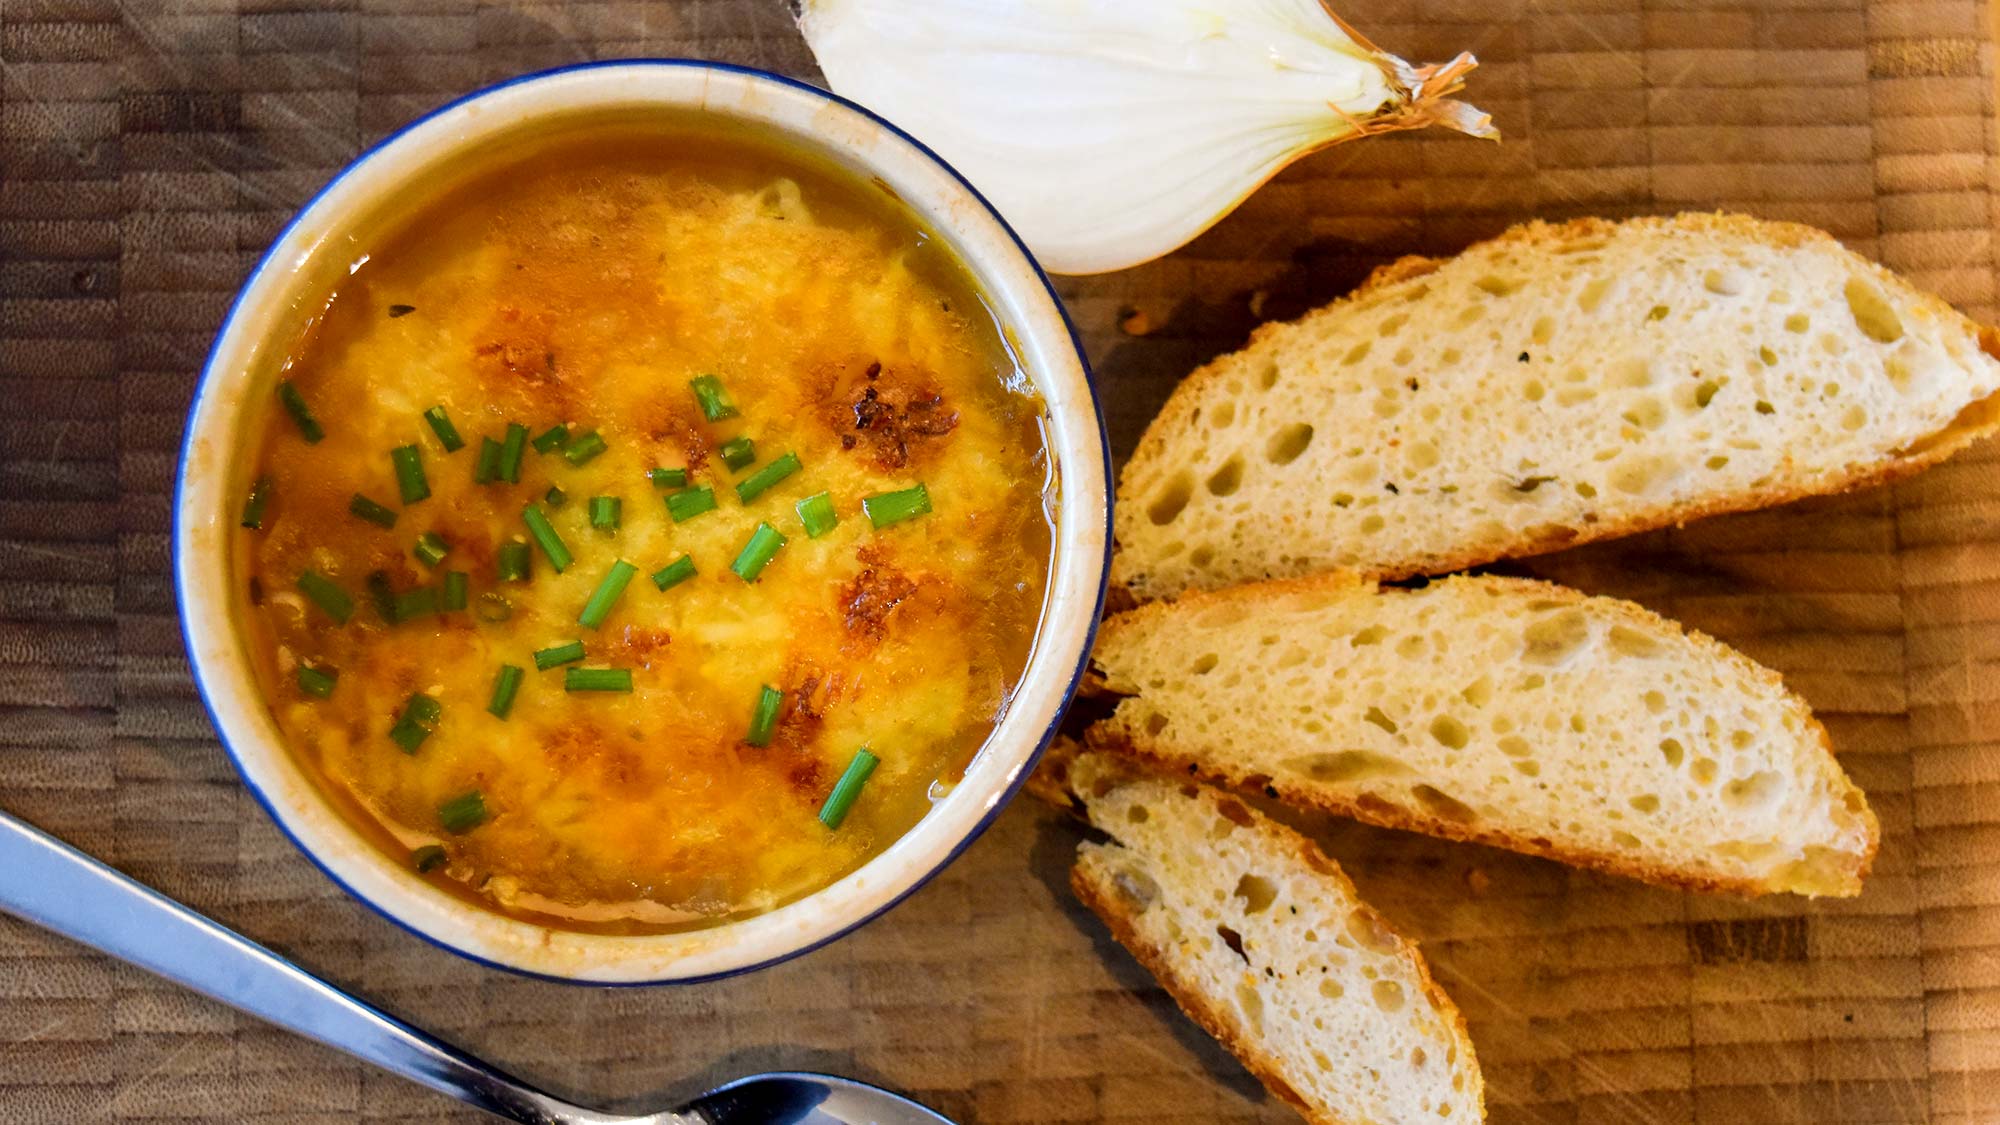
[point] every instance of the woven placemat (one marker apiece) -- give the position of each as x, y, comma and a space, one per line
148, 151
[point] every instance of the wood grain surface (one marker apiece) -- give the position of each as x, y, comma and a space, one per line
148, 150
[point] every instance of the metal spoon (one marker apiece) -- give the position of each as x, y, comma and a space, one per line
49, 883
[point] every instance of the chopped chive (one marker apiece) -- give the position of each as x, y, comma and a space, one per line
418, 722
486, 470
409, 735
463, 813
546, 538
511, 561
756, 554
412, 604
738, 452
604, 512
714, 400
816, 513
411, 483
494, 608
317, 681
885, 508
674, 573
754, 485
371, 511
295, 405
847, 788
447, 434
690, 502
764, 719
583, 448
382, 594
555, 497
664, 479
597, 679
607, 594
510, 452
256, 502
424, 709
430, 857
396, 311
557, 656
457, 588
551, 439
505, 684
328, 597
431, 548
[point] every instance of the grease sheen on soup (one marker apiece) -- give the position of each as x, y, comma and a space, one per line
588, 284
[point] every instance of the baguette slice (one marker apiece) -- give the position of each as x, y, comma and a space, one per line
1555, 385
1262, 940
1499, 710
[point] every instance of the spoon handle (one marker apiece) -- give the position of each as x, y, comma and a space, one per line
49, 883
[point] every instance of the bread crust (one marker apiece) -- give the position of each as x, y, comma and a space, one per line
1979, 419
1050, 781
1109, 737
1104, 903
1221, 1024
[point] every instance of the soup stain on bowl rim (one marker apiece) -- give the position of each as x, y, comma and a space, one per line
871, 152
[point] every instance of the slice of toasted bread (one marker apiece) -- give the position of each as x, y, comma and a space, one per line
1498, 710
1555, 385
1263, 941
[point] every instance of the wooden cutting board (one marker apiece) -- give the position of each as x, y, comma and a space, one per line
147, 152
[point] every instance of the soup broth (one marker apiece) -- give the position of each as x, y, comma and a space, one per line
657, 474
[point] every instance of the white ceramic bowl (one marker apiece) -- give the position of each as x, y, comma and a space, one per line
236, 387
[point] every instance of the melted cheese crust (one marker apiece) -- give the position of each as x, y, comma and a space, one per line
589, 285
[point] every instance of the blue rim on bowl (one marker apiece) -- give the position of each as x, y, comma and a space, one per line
202, 525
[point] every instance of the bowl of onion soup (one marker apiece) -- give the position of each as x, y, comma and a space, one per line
640, 521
